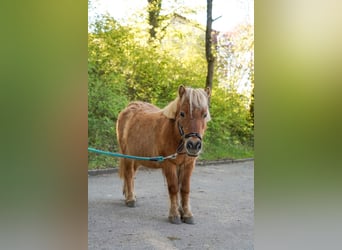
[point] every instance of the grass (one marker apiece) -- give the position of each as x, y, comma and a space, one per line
102, 162
217, 152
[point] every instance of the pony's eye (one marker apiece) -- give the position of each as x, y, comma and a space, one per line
182, 114
205, 115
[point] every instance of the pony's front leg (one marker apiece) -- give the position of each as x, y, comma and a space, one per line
170, 173
187, 216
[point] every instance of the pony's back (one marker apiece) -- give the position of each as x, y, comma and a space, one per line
130, 116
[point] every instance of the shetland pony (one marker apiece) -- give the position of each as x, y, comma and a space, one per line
145, 130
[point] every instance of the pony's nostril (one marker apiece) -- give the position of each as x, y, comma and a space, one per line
194, 146
198, 145
189, 145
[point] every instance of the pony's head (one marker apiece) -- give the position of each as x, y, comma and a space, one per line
191, 112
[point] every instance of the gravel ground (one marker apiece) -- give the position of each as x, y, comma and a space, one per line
222, 201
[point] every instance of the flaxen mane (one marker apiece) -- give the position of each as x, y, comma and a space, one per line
197, 98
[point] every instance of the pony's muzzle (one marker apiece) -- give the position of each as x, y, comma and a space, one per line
193, 146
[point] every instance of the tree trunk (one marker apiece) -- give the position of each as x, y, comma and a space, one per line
208, 46
154, 7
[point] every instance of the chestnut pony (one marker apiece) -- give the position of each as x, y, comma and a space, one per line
145, 130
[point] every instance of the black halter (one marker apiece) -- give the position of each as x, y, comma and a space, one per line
184, 136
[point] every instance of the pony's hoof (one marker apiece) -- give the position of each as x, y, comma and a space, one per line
175, 219
130, 203
188, 220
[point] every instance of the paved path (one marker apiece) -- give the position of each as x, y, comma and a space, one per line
222, 200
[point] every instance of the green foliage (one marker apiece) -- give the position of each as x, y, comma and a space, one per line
123, 65
106, 90
230, 133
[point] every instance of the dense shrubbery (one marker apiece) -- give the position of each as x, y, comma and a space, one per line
124, 66
230, 133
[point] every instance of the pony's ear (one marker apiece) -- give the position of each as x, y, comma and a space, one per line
208, 91
181, 91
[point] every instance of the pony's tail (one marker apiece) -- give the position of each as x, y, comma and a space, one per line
121, 171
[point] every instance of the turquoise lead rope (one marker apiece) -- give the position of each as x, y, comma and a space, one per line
154, 158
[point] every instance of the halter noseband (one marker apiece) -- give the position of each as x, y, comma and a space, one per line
185, 136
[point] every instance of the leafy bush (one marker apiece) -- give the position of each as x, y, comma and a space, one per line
230, 132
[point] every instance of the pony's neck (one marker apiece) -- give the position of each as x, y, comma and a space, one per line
170, 110
172, 131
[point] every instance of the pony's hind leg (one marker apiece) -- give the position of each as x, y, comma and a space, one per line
127, 172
